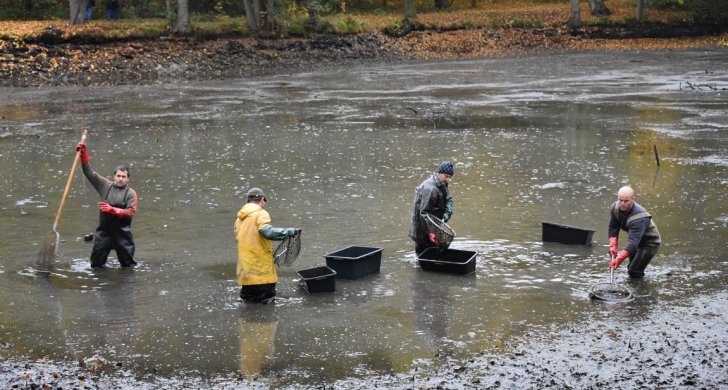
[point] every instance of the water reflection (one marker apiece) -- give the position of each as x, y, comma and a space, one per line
50, 311
257, 326
117, 312
435, 299
109, 328
432, 305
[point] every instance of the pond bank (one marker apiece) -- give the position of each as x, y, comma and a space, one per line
171, 60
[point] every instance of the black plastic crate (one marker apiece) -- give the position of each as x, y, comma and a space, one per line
452, 261
564, 234
355, 262
318, 279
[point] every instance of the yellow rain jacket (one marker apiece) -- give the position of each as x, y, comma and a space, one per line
255, 252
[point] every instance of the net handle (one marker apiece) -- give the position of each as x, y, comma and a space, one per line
611, 270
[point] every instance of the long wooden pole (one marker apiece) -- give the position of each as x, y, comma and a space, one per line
68, 185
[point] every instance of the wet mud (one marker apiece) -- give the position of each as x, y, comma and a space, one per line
681, 344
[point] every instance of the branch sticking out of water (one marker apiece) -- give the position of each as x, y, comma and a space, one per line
698, 87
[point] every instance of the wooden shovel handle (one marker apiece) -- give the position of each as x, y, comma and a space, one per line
68, 185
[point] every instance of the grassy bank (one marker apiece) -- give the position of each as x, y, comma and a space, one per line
516, 14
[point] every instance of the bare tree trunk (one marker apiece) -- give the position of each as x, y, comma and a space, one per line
640, 10
410, 9
598, 8
270, 13
473, 3
183, 25
259, 18
575, 19
144, 9
314, 19
78, 11
251, 15
171, 14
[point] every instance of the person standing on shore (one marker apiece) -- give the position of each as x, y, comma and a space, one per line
255, 270
432, 196
89, 9
644, 239
112, 9
118, 205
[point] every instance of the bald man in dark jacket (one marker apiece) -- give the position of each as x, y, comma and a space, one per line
642, 234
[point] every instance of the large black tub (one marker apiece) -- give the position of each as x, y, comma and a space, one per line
452, 261
355, 262
564, 234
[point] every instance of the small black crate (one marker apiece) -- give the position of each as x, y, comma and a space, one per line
318, 279
452, 261
563, 234
355, 262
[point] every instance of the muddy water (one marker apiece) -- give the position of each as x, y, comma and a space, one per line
534, 139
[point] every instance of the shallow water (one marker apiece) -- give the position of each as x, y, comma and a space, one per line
547, 138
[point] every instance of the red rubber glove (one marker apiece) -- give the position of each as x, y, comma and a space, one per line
109, 209
81, 147
613, 247
432, 237
622, 256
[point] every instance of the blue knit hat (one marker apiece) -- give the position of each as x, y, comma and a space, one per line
446, 168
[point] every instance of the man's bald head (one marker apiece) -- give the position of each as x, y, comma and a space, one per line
625, 198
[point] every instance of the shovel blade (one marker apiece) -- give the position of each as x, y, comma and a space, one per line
47, 253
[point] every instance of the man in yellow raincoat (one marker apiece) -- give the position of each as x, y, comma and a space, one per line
256, 272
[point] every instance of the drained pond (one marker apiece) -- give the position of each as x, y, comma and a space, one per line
533, 139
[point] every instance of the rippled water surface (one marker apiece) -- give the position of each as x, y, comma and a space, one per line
534, 139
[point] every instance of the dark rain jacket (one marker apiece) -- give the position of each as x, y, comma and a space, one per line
431, 197
637, 222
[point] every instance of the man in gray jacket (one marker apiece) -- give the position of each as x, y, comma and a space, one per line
118, 204
431, 197
642, 235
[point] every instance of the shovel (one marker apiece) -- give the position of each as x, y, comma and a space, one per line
49, 248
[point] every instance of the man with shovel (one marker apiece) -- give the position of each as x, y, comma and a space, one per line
644, 239
118, 204
431, 197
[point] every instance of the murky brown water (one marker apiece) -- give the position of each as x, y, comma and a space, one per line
534, 139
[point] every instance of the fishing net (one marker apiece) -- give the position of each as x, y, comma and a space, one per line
443, 232
610, 291
288, 250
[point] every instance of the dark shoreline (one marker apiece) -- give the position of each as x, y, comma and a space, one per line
175, 60
47, 62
